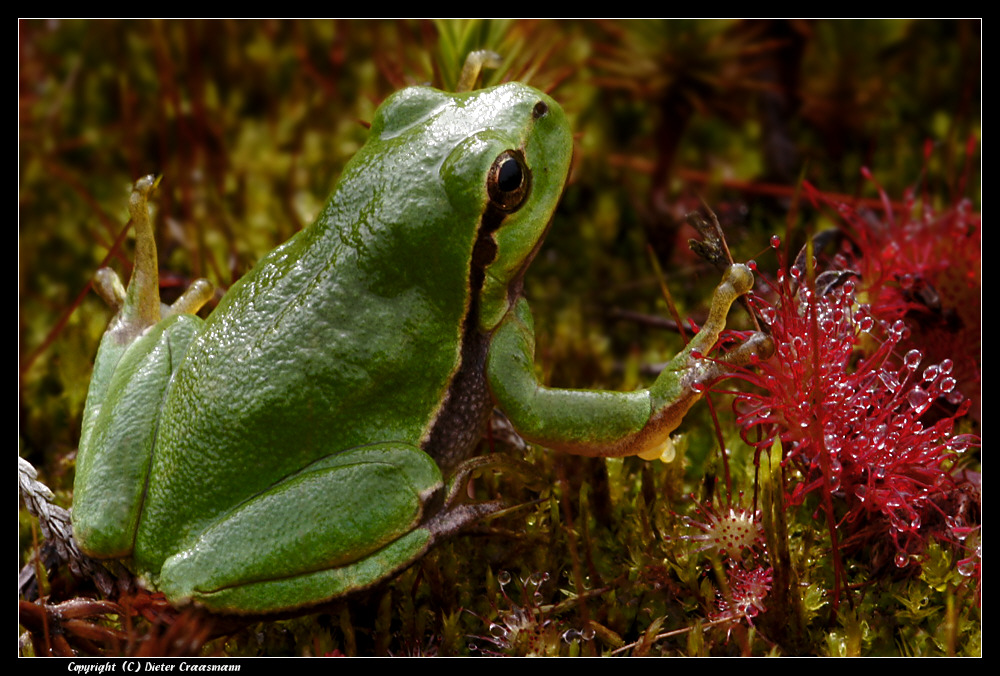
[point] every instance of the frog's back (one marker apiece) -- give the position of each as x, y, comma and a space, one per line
347, 335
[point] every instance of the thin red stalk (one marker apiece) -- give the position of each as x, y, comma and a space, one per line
68, 312
722, 450
816, 431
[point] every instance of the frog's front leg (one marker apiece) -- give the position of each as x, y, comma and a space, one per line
602, 423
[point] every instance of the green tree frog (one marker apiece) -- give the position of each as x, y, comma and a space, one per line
291, 448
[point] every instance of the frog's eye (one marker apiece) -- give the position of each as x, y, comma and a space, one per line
509, 181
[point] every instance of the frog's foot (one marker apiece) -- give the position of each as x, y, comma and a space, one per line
475, 62
192, 300
109, 287
139, 305
343, 524
737, 280
758, 347
451, 517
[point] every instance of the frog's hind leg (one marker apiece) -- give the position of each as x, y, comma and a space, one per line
340, 525
140, 350
118, 438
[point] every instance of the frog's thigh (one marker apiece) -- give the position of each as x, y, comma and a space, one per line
114, 458
340, 525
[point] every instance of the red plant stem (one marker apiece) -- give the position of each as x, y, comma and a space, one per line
722, 450
816, 432
67, 313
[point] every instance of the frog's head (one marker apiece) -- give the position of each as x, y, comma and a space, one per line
502, 156
531, 147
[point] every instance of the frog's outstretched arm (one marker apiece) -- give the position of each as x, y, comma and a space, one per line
611, 424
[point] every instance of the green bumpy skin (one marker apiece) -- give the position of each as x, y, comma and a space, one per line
289, 449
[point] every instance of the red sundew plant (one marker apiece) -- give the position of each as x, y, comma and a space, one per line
730, 531
852, 420
524, 627
971, 565
923, 265
737, 535
747, 591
